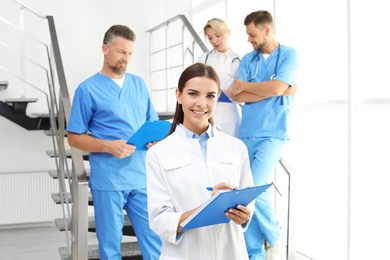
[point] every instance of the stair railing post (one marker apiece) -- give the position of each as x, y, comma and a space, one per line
79, 223
291, 232
22, 51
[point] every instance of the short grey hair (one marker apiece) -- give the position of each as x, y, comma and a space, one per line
118, 31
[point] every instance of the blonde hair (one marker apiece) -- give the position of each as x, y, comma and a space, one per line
217, 24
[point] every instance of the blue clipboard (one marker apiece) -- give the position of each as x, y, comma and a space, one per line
224, 98
213, 211
150, 131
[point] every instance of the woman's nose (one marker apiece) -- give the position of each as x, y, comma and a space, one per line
202, 102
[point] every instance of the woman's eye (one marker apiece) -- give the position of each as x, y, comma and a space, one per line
192, 93
211, 96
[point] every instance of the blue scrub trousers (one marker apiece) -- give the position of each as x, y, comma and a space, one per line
264, 154
109, 221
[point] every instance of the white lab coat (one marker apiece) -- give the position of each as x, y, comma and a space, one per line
177, 178
227, 116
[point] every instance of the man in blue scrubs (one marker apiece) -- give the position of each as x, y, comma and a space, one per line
113, 105
265, 83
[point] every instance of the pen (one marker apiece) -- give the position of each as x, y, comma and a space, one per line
211, 188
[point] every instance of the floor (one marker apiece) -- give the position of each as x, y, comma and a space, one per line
39, 242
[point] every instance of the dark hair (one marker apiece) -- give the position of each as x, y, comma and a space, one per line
118, 31
193, 71
259, 18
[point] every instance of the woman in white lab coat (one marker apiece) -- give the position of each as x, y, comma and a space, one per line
227, 115
196, 155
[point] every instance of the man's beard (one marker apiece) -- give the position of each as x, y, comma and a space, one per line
261, 46
118, 70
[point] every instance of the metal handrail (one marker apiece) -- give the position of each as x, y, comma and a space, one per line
291, 250
79, 188
187, 24
196, 41
51, 102
29, 9
78, 183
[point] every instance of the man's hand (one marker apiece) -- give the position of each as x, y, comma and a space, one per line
237, 87
290, 91
120, 149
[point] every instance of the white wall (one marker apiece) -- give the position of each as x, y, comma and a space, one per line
80, 28
340, 120
339, 145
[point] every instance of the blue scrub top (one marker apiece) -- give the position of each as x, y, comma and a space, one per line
269, 117
112, 113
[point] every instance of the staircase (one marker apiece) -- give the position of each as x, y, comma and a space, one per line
71, 172
73, 196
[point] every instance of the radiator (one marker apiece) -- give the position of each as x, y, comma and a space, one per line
26, 198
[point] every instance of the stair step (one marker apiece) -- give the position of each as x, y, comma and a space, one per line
54, 173
51, 154
21, 100
51, 133
20, 104
68, 198
165, 115
127, 227
3, 84
129, 250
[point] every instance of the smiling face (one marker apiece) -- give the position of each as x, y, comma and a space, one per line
257, 36
198, 100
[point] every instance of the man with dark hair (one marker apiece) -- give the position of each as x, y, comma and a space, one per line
265, 83
113, 105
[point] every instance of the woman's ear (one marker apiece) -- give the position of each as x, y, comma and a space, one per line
178, 96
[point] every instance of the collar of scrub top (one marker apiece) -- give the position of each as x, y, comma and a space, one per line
257, 56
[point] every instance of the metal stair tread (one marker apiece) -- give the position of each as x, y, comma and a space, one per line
45, 115
57, 198
54, 173
21, 100
3, 84
68, 154
50, 133
60, 223
165, 115
128, 249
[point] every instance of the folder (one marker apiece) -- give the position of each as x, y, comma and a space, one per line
150, 131
213, 211
224, 98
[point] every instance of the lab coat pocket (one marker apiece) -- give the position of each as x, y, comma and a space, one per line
179, 174
229, 164
175, 161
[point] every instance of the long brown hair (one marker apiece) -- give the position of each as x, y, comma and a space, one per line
193, 71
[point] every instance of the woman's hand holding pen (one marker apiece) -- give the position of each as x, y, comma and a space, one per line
221, 186
239, 215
